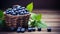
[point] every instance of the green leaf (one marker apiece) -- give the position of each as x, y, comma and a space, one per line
41, 24
39, 17
1, 14
2, 23
36, 16
29, 7
33, 16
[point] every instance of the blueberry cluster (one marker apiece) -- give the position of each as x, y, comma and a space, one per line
17, 10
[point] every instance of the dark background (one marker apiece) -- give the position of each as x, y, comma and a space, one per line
38, 4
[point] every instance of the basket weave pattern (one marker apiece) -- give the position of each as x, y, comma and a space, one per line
17, 21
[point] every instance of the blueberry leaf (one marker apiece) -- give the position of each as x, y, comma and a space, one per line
33, 16
1, 15
41, 24
2, 23
36, 16
39, 17
29, 7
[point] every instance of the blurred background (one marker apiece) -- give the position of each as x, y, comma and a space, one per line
38, 4
50, 10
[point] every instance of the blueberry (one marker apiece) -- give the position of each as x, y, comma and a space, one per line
12, 28
19, 10
18, 6
27, 12
13, 13
29, 29
14, 9
16, 12
22, 30
7, 12
23, 7
18, 30
21, 13
33, 29
49, 29
39, 29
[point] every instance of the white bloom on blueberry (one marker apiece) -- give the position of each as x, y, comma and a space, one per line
22, 29
23, 7
14, 9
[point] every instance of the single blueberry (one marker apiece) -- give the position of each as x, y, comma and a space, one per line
19, 10
13, 13
7, 12
49, 29
14, 9
39, 29
23, 7
22, 29
18, 30
21, 13
18, 7
12, 28
33, 29
27, 12
16, 12
29, 29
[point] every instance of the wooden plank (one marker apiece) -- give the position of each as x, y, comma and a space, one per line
31, 33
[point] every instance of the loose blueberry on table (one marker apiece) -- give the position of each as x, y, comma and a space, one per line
30, 29
19, 29
12, 29
33, 29
48, 29
39, 29
22, 30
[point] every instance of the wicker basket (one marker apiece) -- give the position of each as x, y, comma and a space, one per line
17, 21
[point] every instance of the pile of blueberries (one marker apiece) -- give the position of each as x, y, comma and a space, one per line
17, 10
